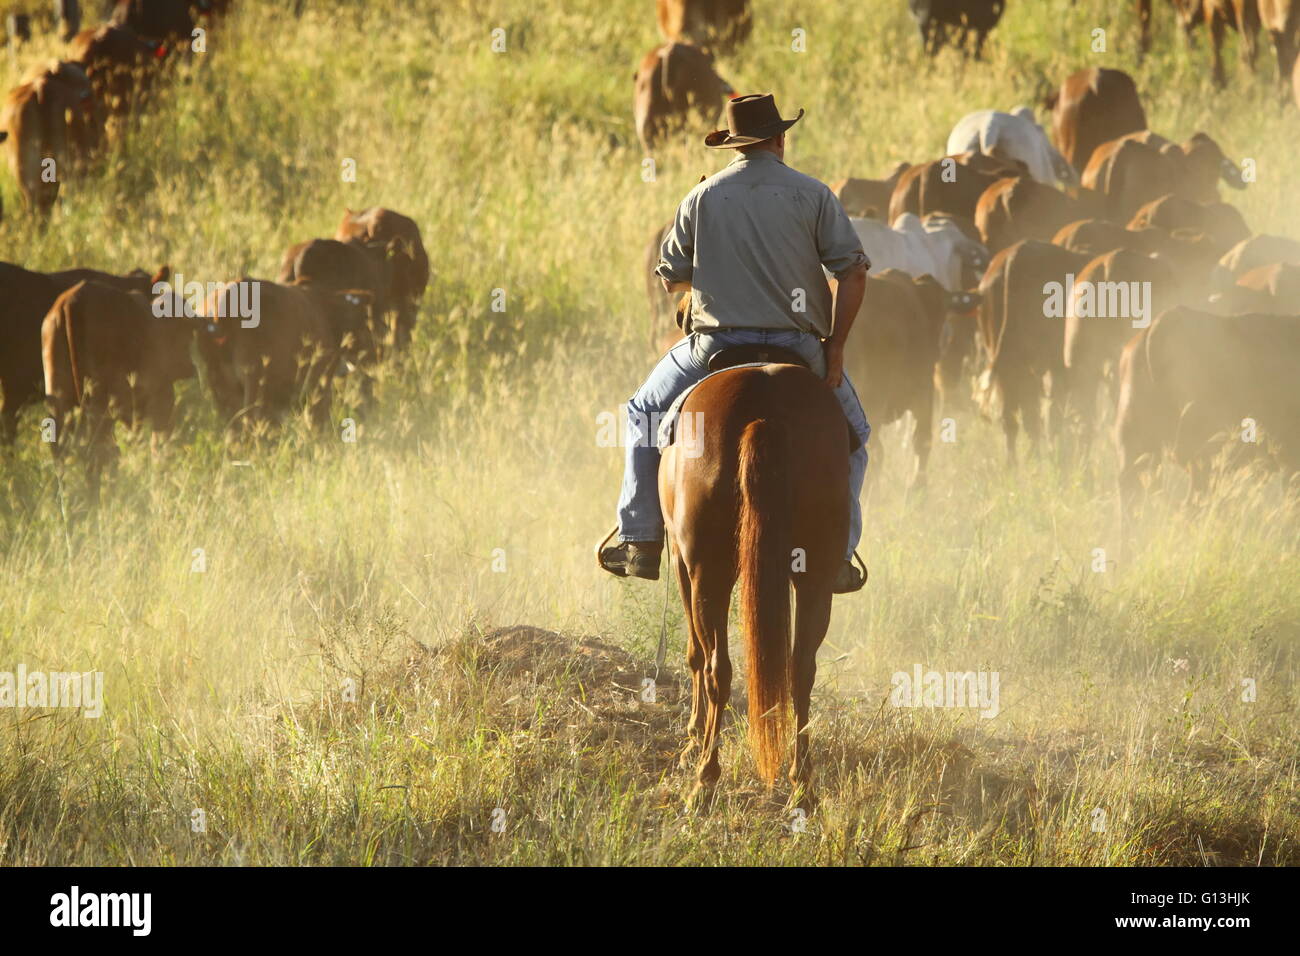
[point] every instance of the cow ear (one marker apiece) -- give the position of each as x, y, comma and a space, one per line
163, 274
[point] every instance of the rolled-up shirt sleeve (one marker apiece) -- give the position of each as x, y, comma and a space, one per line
838, 244
677, 253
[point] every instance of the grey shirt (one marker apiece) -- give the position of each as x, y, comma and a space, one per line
752, 241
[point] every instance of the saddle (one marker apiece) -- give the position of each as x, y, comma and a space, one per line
753, 354
737, 356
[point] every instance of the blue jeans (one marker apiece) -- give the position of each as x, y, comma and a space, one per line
639, 514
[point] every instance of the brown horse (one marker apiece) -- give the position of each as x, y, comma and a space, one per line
760, 495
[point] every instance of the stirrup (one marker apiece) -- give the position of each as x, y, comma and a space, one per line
862, 565
600, 561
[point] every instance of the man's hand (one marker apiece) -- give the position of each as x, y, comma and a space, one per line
834, 362
670, 286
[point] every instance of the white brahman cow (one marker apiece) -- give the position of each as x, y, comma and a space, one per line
1015, 135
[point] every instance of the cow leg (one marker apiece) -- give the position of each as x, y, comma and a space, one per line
8, 414
321, 396
1031, 413
938, 35
1010, 427
812, 617
162, 406
404, 326
922, 436
1249, 28
1284, 47
980, 35
97, 428
1217, 26
254, 411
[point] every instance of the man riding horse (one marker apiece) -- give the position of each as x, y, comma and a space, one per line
749, 244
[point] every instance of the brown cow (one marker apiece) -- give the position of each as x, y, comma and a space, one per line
1137, 168
1022, 331
868, 198
894, 346
170, 20
35, 114
270, 346
1093, 236
1201, 164
676, 87
1189, 253
951, 185
119, 66
1015, 209
1219, 221
27, 297
1193, 375
1094, 106
1114, 293
1129, 174
339, 267
104, 351
719, 25
409, 271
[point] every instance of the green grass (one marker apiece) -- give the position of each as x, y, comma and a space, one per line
371, 565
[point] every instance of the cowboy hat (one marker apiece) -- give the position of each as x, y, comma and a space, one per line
750, 119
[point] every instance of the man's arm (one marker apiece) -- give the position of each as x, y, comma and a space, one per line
677, 253
849, 290
840, 250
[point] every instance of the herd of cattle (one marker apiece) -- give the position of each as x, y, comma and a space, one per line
1101, 271
57, 122
113, 346
677, 86
1031, 272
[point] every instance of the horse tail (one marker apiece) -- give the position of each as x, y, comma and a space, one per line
764, 557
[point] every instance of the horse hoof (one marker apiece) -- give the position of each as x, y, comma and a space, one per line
701, 798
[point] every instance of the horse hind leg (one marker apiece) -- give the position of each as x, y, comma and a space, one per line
811, 619
695, 659
710, 603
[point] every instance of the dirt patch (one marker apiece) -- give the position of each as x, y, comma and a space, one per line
609, 692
